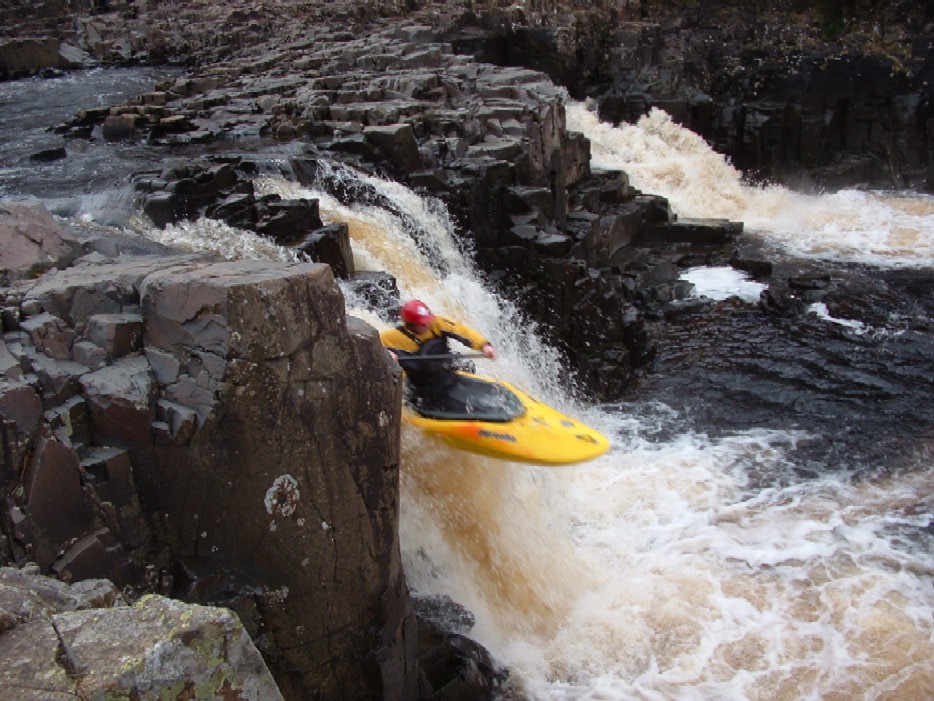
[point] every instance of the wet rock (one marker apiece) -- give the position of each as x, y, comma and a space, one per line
331, 245
397, 142
779, 300
756, 267
455, 667
49, 155
704, 232
237, 209
811, 288
287, 222
379, 291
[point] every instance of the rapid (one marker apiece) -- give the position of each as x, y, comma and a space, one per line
665, 569
682, 564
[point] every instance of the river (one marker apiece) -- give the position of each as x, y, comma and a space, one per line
762, 525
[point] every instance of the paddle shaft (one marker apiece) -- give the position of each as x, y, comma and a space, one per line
442, 356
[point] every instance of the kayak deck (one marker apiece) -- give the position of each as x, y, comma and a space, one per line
493, 418
471, 398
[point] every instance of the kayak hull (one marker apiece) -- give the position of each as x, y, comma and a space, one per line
541, 435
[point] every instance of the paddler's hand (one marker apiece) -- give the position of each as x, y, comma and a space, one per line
393, 355
489, 351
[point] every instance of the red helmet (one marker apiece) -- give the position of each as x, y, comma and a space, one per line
416, 311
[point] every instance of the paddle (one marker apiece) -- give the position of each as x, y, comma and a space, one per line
442, 356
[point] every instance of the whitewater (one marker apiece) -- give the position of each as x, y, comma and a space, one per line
661, 570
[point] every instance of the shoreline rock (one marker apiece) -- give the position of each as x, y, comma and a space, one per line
163, 410
97, 645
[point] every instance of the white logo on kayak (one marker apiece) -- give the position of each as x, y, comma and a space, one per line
508, 437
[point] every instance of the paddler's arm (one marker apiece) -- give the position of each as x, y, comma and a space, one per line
465, 334
395, 341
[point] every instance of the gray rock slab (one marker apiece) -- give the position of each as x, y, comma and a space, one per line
25, 596
32, 241
109, 287
29, 666
161, 647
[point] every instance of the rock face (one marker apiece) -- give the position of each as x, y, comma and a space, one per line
263, 408
31, 242
221, 432
594, 261
96, 646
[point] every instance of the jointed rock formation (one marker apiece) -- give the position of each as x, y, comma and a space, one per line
220, 427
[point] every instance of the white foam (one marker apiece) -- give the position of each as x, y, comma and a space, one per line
820, 309
663, 158
723, 282
217, 237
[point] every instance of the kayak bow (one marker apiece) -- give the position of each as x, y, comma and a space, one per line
514, 427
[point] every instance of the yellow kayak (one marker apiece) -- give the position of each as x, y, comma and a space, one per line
493, 418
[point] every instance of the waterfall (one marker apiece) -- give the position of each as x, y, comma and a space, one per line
656, 571
660, 157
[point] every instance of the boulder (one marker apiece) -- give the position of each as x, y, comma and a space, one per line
31, 242
287, 222
331, 244
397, 142
274, 375
61, 642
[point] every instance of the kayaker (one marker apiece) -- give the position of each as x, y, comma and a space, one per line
425, 334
